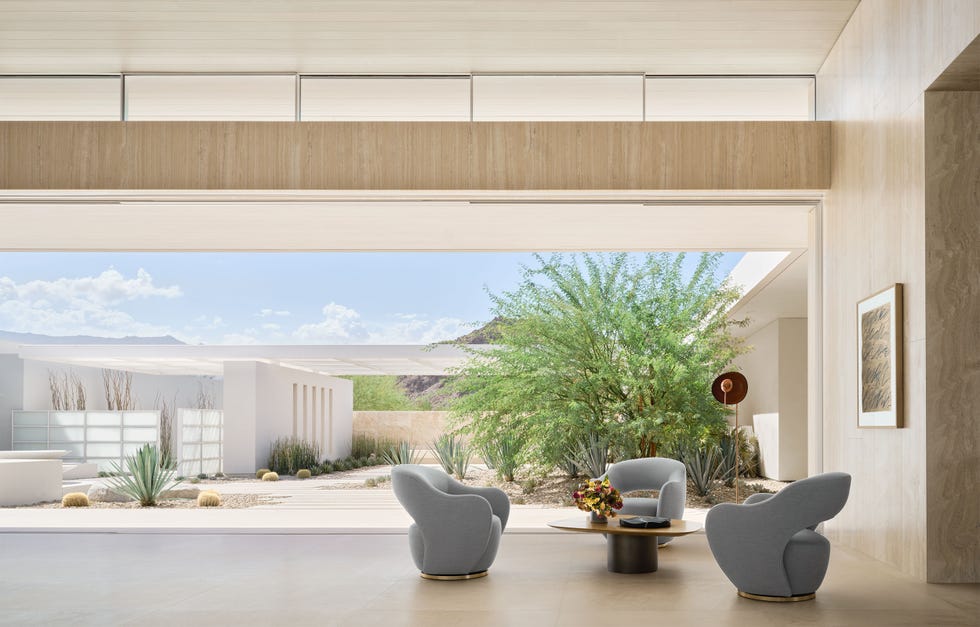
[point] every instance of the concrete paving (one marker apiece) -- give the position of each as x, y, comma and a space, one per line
302, 507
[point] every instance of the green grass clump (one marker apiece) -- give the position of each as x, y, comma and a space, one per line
270, 476
303, 473
75, 499
261, 472
290, 454
327, 468
194, 480
208, 498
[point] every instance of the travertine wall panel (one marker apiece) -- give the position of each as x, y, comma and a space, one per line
871, 86
952, 145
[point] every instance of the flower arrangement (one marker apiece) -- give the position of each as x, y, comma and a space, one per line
598, 496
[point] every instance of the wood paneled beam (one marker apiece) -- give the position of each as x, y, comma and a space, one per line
416, 155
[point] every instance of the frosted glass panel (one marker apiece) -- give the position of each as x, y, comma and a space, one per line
30, 446
211, 97
190, 417
75, 450
108, 465
103, 434
210, 451
212, 417
212, 434
68, 418
67, 434
141, 419
558, 97
31, 418
29, 434
191, 451
104, 450
140, 434
333, 98
104, 419
132, 448
76, 98
729, 98
191, 434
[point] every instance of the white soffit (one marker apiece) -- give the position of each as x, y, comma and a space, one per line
209, 360
774, 285
421, 36
450, 225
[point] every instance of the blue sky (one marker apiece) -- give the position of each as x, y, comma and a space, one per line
265, 298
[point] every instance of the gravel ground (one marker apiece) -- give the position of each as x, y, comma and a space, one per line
228, 501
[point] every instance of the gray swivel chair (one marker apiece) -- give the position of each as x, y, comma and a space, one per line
768, 546
651, 473
457, 527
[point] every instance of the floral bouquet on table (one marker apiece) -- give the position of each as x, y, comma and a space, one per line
599, 497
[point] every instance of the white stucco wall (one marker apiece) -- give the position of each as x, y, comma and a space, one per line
776, 370
37, 393
259, 407
11, 393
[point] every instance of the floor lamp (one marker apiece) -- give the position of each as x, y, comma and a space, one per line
730, 388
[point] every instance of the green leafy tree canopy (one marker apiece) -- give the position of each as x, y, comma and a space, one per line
601, 345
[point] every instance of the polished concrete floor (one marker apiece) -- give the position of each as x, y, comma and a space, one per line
362, 580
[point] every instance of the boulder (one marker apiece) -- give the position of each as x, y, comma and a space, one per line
181, 492
105, 494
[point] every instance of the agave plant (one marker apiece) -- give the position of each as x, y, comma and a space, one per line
502, 456
144, 478
704, 465
401, 453
454, 455
592, 455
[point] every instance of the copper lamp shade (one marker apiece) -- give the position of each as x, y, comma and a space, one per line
730, 388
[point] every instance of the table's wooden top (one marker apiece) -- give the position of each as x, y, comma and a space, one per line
583, 523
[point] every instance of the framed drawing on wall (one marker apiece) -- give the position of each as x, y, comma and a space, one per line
880, 322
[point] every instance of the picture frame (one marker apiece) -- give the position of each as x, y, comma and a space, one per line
880, 352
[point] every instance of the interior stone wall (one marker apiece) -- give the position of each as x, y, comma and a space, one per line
874, 234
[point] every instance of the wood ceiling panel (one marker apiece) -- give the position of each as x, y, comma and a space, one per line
420, 36
415, 155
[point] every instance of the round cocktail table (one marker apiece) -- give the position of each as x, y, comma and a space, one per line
628, 550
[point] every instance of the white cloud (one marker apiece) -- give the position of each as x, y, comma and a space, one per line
343, 325
340, 325
270, 313
81, 305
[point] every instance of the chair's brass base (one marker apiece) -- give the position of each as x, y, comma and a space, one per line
763, 597
454, 577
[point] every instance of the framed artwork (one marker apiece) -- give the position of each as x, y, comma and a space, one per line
880, 322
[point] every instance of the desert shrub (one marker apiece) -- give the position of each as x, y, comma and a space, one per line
219, 475
270, 476
401, 453
261, 472
290, 454
569, 468
208, 499
758, 488
364, 445
202, 475
371, 483
454, 455
502, 456
195, 480
731, 445
75, 499
326, 468
144, 479
303, 473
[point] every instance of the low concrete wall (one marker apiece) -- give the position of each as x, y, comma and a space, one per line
418, 427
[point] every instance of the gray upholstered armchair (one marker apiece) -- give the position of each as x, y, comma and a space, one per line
651, 473
768, 546
457, 527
